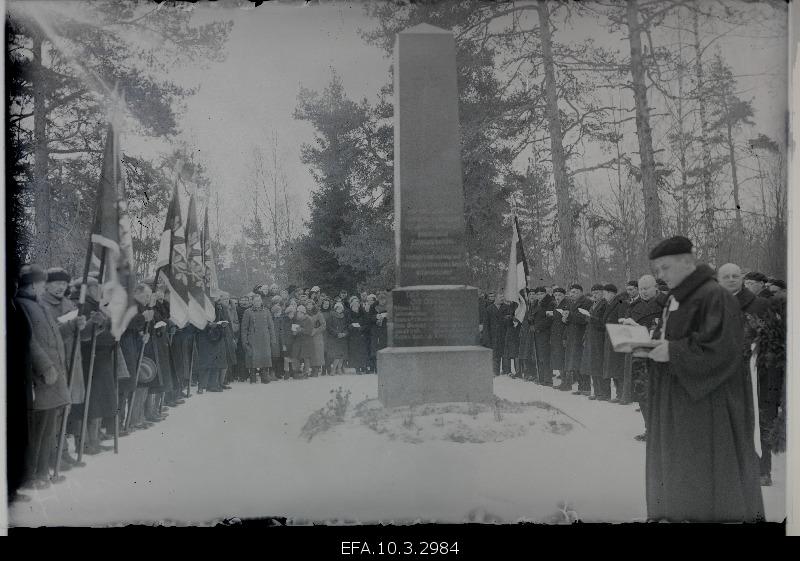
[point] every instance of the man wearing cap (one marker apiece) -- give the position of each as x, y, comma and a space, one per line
755, 282
613, 362
497, 312
575, 326
48, 363
542, 326
593, 345
557, 332
53, 298
701, 453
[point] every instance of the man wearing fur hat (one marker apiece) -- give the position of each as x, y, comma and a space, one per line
49, 375
701, 445
53, 298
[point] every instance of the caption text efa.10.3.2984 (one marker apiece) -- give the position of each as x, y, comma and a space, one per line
399, 548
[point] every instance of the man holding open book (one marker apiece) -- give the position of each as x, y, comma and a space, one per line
701, 447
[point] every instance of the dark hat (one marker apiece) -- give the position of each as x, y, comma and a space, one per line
676, 245
632, 283
610, 288
559, 289
779, 283
30, 274
57, 274
756, 276
539, 289
576, 285
597, 286
660, 283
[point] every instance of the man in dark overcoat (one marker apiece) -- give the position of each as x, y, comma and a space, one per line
575, 327
557, 332
645, 310
613, 362
592, 359
542, 326
701, 457
756, 311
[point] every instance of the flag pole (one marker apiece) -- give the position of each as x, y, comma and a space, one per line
73, 355
87, 400
116, 393
191, 367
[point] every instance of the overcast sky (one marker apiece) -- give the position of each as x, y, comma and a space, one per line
276, 48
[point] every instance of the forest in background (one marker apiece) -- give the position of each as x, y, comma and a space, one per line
601, 148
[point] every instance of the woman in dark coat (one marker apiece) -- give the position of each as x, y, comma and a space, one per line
557, 332
305, 338
381, 322
594, 342
613, 362
279, 351
336, 341
325, 309
356, 341
291, 341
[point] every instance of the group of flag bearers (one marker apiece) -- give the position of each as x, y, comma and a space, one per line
105, 355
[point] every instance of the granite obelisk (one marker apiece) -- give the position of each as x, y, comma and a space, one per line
433, 353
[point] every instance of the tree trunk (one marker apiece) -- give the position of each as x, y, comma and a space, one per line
564, 211
735, 180
705, 175
41, 186
652, 205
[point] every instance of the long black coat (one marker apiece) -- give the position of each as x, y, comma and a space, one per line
211, 349
613, 362
573, 333
646, 312
496, 320
594, 340
701, 460
557, 341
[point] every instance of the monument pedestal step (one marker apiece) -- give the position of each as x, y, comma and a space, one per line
418, 375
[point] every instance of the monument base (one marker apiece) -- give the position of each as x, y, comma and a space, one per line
418, 375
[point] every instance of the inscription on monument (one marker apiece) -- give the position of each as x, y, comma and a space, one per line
430, 318
432, 248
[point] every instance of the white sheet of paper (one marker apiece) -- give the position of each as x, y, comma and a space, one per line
584, 312
625, 338
160, 324
69, 316
356, 325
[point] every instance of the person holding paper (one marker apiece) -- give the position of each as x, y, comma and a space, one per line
575, 327
336, 342
594, 343
557, 331
356, 343
66, 312
613, 363
701, 454
48, 372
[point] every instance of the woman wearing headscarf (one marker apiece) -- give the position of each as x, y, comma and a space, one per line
291, 340
317, 358
357, 351
326, 311
258, 337
241, 356
336, 342
305, 341
279, 352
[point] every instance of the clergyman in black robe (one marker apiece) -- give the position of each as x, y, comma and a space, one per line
701, 459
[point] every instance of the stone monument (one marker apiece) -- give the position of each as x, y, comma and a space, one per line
433, 353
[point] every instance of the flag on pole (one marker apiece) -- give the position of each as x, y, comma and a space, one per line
112, 231
210, 268
194, 270
517, 278
173, 263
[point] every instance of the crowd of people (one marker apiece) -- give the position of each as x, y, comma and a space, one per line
115, 387
101, 387
562, 341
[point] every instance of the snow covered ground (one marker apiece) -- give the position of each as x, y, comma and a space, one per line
240, 454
